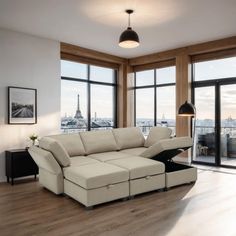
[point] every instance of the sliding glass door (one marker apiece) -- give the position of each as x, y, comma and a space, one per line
214, 95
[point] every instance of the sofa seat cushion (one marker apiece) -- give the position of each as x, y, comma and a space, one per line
57, 149
71, 142
81, 160
95, 175
156, 134
134, 151
107, 156
98, 141
139, 167
167, 144
131, 137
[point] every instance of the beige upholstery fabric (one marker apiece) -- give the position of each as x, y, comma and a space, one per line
181, 177
98, 141
45, 160
82, 160
129, 137
58, 151
98, 195
107, 156
71, 142
147, 184
51, 181
95, 175
139, 167
156, 134
167, 144
134, 151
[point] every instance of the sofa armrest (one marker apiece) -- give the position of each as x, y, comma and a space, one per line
167, 144
45, 160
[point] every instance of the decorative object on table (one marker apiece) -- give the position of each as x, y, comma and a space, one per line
33, 138
129, 38
22, 105
19, 163
188, 110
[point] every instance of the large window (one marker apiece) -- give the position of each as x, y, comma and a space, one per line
155, 98
88, 97
214, 94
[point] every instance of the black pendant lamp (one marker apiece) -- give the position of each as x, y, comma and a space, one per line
129, 38
187, 109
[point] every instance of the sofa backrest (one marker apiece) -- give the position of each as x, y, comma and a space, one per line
72, 143
98, 141
130, 137
156, 134
57, 149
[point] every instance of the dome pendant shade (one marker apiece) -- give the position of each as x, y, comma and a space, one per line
187, 109
129, 38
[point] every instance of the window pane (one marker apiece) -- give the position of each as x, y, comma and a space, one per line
145, 109
101, 74
205, 124
166, 111
215, 69
165, 75
102, 106
228, 124
73, 106
145, 78
74, 70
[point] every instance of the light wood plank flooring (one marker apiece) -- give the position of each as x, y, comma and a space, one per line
204, 209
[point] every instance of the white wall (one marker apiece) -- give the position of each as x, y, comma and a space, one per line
28, 61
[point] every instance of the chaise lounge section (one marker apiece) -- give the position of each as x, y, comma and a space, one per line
94, 167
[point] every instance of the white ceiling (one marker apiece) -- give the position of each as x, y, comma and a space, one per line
97, 24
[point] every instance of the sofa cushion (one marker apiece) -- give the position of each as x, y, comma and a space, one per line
156, 134
71, 142
107, 156
98, 141
167, 144
95, 175
134, 151
57, 149
139, 167
81, 160
128, 137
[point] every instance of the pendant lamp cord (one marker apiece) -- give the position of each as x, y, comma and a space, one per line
129, 20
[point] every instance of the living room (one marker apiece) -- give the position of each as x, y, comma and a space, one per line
67, 59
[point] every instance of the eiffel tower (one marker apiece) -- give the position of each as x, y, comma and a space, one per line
78, 114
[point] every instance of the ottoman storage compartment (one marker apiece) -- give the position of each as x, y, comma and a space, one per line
177, 174
145, 175
96, 183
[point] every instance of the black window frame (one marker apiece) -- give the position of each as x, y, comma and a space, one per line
93, 82
215, 83
154, 86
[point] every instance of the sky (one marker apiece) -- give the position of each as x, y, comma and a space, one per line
102, 96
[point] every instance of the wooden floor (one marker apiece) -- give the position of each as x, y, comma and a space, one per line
204, 209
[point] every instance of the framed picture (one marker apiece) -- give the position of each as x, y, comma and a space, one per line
22, 105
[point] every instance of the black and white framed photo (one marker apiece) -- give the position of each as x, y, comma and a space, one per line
22, 105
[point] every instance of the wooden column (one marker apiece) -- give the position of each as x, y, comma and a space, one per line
183, 92
123, 95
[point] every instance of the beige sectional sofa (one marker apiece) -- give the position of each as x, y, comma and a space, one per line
94, 167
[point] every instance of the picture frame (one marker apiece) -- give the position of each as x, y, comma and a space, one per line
22, 105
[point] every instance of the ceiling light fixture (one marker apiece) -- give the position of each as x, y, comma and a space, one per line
129, 38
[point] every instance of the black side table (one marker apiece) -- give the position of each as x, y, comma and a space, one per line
19, 163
